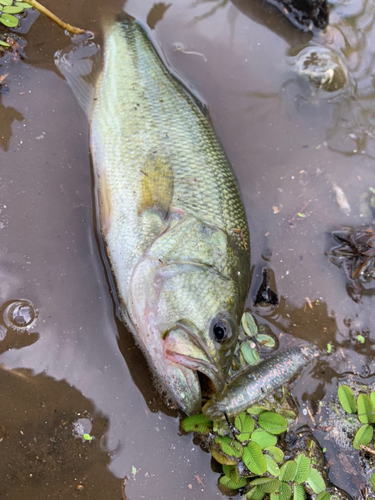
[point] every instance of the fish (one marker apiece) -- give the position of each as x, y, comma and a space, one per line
256, 382
171, 215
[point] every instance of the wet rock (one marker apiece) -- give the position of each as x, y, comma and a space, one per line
265, 295
305, 14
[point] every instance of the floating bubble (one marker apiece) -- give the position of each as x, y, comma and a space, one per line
322, 67
20, 315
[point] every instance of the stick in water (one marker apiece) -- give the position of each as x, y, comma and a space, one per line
55, 19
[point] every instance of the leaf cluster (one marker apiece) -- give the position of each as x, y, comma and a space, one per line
253, 339
7, 10
364, 408
252, 460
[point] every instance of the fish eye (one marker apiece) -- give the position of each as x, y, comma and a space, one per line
221, 331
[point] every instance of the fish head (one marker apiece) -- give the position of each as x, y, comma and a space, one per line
187, 314
208, 351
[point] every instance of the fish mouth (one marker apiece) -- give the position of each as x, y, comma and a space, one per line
184, 347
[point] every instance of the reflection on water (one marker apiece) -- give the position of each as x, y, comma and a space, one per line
8, 116
42, 452
352, 34
156, 14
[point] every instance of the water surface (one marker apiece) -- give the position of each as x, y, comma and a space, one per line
288, 144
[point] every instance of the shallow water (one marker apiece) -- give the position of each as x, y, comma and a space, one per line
288, 143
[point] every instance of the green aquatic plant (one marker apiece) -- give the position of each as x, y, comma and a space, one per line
9, 9
251, 340
364, 408
252, 459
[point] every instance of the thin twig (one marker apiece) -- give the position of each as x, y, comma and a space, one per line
367, 449
55, 19
310, 415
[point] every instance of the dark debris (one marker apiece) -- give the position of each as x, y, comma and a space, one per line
356, 255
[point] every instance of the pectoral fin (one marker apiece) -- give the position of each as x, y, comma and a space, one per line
156, 184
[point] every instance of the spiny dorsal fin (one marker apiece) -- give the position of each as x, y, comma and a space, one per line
156, 183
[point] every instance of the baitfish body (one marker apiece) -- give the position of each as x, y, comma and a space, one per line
170, 213
255, 382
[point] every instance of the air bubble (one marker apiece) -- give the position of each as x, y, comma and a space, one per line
20, 315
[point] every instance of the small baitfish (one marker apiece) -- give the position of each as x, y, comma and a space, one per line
171, 215
255, 382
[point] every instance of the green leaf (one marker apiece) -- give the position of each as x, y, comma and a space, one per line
245, 424
24, 5
303, 468
4, 44
263, 438
266, 484
273, 422
12, 9
301, 214
226, 451
257, 409
6, 2
323, 496
366, 410
87, 437
288, 414
372, 481
299, 492
220, 427
272, 466
277, 454
288, 471
231, 471
255, 494
363, 436
9, 20
249, 353
266, 340
329, 348
372, 397
228, 483
316, 482
248, 324
254, 459
196, 423
361, 339
283, 493
347, 399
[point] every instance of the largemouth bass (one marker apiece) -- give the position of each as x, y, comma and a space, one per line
256, 382
170, 213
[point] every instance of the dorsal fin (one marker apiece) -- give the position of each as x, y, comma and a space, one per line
156, 183
80, 64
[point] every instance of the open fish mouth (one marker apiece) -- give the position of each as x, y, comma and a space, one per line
187, 349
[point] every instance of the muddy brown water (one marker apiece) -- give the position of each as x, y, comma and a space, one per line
287, 142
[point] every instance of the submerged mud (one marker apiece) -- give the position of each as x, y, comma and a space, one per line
290, 145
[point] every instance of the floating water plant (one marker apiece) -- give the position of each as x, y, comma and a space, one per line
252, 459
9, 9
251, 340
364, 408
